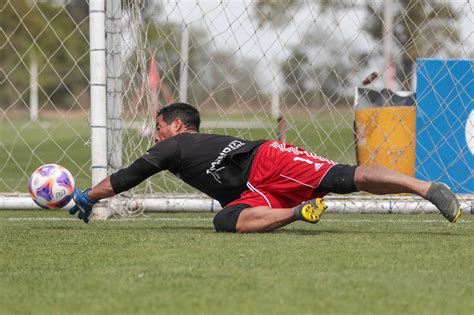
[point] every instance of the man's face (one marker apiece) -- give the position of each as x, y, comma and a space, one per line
163, 130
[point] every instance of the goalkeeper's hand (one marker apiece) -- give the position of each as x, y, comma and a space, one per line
83, 204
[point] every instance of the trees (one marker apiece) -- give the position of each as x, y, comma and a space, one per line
213, 73
320, 63
421, 28
45, 31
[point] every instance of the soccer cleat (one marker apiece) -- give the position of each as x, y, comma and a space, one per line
443, 198
310, 211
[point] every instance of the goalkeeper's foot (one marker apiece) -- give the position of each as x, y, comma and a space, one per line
310, 211
443, 198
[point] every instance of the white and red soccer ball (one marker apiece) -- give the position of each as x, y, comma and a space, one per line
51, 186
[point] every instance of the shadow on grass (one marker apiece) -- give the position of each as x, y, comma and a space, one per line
93, 227
357, 232
210, 229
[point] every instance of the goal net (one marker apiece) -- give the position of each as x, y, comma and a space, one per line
299, 71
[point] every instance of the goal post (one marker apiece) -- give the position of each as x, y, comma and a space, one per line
98, 106
254, 70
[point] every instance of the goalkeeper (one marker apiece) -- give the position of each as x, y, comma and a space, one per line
261, 185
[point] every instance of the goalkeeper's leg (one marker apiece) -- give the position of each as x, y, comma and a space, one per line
265, 219
443, 198
310, 211
381, 180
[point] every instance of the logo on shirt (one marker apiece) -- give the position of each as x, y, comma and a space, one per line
215, 166
317, 166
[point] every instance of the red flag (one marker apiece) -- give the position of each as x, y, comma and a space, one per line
153, 84
156, 86
153, 76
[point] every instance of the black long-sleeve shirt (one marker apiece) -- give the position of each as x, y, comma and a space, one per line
216, 165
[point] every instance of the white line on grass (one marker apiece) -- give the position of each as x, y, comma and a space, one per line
115, 220
47, 219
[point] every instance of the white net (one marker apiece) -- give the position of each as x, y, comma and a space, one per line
255, 69
44, 98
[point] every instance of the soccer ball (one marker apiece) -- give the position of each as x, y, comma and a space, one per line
51, 186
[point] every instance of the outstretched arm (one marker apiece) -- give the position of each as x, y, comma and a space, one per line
102, 190
123, 180
110, 186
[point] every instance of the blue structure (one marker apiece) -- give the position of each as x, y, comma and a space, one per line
444, 123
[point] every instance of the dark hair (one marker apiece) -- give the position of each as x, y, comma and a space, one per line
189, 114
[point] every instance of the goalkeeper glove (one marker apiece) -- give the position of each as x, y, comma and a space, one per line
83, 204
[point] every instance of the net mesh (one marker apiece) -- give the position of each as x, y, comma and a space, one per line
261, 69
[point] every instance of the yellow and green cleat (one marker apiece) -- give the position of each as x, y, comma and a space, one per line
310, 211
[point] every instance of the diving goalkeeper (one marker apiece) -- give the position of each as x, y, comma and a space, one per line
261, 185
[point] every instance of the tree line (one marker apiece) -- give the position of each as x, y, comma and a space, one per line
55, 35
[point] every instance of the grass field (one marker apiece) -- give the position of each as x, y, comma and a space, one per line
168, 263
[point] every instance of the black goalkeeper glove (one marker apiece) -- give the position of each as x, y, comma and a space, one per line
83, 204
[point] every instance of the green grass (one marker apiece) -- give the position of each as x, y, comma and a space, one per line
25, 145
176, 264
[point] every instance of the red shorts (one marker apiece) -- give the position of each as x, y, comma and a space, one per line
283, 176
